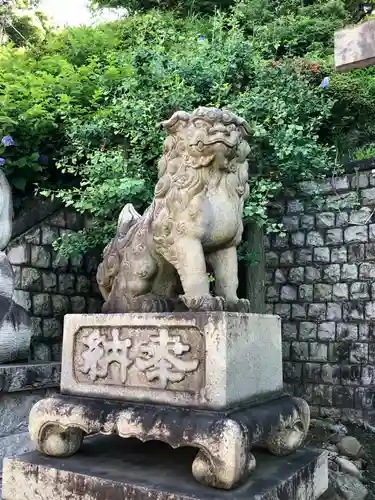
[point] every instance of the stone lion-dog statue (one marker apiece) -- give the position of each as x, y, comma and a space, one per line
158, 262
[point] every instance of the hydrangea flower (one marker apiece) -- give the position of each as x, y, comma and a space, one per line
2, 161
43, 159
325, 82
7, 140
202, 37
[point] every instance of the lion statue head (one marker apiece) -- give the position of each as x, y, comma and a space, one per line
207, 137
204, 148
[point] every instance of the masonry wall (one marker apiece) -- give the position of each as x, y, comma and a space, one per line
49, 287
321, 281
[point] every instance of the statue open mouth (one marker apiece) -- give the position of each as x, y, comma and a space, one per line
215, 140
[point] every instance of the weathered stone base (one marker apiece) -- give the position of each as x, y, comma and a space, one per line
112, 469
211, 360
224, 438
21, 387
15, 444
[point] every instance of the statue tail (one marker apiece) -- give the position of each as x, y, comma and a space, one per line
110, 266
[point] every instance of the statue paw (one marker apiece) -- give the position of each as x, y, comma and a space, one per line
241, 306
203, 303
155, 304
142, 304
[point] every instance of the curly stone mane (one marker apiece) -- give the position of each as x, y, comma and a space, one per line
183, 183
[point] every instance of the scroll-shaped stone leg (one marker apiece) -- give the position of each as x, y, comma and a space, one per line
292, 430
224, 459
56, 429
56, 441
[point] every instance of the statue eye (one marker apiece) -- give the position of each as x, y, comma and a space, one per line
200, 124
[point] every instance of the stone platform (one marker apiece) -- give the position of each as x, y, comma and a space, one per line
21, 387
113, 469
225, 439
210, 360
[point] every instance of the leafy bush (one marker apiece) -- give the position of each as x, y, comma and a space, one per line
364, 152
184, 6
286, 28
37, 98
83, 107
114, 149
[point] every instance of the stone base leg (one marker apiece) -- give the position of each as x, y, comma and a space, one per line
224, 457
224, 438
289, 435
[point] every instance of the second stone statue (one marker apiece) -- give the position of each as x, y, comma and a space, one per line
15, 323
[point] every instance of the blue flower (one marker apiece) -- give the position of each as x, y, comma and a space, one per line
43, 159
2, 161
7, 140
325, 82
202, 37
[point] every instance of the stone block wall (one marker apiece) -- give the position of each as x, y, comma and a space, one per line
49, 287
321, 281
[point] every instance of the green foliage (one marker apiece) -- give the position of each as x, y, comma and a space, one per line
39, 97
19, 27
353, 120
364, 152
90, 99
286, 28
114, 147
183, 6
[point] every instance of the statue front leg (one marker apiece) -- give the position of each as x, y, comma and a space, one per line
188, 258
225, 265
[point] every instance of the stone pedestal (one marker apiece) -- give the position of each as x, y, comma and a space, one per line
224, 438
211, 381
113, 469
201, 360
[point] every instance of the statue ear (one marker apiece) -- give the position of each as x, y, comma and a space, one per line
245, 128
178, 120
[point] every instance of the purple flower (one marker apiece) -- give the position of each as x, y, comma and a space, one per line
325, 82
202, 37
43, 159
2, 161
7, 140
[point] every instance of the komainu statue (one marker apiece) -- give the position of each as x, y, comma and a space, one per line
15, 324
158, 262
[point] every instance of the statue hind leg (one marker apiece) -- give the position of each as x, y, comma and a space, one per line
149, 287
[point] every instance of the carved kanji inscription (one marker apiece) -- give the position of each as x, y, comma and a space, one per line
161, 358
102, 352
147, 357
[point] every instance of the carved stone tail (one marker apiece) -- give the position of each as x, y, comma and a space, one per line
110, 266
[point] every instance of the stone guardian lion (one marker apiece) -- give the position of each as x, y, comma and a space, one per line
158, 262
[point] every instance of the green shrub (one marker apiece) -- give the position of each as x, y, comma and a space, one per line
88, 102
114, 149
183, 6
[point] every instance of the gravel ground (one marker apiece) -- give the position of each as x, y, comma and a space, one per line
319, 438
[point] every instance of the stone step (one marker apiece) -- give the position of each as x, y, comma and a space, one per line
112, 468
